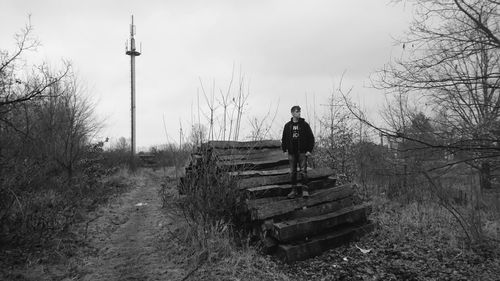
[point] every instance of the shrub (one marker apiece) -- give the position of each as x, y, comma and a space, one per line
37, 206
210, 193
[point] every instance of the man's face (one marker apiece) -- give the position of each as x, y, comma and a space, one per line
296, 113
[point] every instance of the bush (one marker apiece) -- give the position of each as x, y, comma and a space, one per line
210, 193
37, 206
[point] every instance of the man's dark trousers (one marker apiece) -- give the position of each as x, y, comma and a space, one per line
298, 160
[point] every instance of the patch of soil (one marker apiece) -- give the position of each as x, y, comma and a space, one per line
132, 249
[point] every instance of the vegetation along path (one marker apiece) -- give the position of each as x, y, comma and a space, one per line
132, 237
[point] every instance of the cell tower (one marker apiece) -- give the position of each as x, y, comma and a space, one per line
132, 52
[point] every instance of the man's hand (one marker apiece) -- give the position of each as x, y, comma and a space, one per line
308, 154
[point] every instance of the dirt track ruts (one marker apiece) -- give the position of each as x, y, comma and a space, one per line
128, 238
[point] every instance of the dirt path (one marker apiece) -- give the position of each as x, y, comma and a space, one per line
127, 237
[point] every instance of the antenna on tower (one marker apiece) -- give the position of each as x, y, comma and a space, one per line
132, 52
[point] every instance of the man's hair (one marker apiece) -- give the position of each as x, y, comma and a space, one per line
295, 107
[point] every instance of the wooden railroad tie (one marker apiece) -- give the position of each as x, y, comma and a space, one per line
292, 229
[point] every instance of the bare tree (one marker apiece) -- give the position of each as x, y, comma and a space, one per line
20, 91
337, 139
46, 134
67, 124
225, 102
14, 88
239, 103
210, 100
198, 134
451, 64
225, 125
122, 145
446, 95
262, 126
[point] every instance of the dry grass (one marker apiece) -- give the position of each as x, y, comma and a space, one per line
425, 219
211, 253
212, 248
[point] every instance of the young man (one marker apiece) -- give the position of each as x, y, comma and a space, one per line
298, 141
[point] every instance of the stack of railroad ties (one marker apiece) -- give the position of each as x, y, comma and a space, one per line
292, 229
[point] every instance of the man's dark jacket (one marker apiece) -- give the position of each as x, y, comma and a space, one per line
306, 137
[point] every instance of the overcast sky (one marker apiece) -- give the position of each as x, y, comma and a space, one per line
286, 50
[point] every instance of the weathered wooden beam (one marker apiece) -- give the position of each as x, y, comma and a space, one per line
268, 191
260, 154
313, 174
329, 194
321, 209
257, 173
283, 206
310, 226
243, 144
317, 245
229, 152
284, 189
256, 202
253, 165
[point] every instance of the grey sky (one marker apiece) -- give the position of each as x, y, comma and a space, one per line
284, 48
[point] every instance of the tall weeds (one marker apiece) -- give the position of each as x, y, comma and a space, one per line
210, 193
208, 207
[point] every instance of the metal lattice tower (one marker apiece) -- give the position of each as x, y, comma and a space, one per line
132, 52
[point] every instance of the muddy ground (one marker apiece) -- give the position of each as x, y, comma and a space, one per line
132, 250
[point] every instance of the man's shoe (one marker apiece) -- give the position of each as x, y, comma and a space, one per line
292, 194
305, 193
